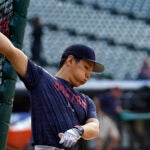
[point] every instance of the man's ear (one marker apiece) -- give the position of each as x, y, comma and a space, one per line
70, 60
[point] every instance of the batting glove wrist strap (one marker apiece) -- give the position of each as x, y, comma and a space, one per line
79, 129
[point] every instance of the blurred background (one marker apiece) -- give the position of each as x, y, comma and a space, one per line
119, 32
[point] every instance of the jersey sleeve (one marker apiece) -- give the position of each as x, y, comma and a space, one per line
91, 109
33, 75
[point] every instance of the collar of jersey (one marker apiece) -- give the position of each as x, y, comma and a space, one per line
64, 82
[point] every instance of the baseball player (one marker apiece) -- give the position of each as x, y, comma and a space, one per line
61, 116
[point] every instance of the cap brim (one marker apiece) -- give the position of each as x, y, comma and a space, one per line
98, 67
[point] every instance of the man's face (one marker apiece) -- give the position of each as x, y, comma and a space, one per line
116, 93
81, 72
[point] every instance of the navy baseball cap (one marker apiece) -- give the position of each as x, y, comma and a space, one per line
84, 52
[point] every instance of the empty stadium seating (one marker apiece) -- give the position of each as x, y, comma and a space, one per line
121, 43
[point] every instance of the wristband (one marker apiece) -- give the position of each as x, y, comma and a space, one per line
79, 129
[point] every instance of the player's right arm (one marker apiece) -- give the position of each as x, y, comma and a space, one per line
14, 55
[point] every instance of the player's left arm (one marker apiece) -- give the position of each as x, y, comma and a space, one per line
88, 131
91, 129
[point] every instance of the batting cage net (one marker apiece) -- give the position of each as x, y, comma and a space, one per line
2, 58
12, 24
6, 9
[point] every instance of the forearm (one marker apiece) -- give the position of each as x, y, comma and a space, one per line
91, 129
15, 56
5, 45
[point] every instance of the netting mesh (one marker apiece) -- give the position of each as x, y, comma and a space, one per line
6, 10
1, 65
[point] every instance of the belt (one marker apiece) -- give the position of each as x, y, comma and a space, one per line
43, 147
